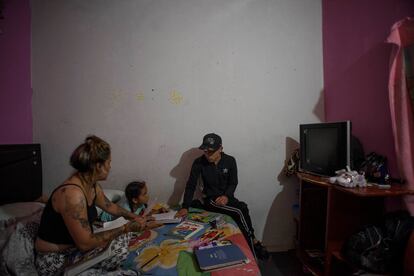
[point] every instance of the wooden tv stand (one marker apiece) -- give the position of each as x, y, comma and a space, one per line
329, 214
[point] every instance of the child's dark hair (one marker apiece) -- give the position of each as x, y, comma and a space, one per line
133, 190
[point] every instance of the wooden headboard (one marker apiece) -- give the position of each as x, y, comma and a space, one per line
20, 173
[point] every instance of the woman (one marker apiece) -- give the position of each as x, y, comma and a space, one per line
66, 223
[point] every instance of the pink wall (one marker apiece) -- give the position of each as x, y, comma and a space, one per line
356, 66
15, 81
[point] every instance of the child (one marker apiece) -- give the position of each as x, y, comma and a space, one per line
135, 200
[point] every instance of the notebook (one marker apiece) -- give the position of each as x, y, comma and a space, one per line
111, 225
81, 262
215, 257
168, 217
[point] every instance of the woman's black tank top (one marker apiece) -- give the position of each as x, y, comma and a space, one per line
52, 226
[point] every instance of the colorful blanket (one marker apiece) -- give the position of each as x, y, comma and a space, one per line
154, 253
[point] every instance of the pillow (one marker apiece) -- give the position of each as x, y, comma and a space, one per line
11, 214
19, 210
113, 195
18, 254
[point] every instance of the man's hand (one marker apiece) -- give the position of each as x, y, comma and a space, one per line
182, 213
222, 200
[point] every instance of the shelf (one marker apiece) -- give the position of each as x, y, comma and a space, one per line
310, 264
329, 214
373, 191
315, 179
349, 266
370, 191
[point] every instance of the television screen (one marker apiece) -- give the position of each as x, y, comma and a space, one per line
325, 147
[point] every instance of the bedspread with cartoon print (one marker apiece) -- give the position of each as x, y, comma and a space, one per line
153, 252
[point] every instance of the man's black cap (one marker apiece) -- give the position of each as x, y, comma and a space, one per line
211, 141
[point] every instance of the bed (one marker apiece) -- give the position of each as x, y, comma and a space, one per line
21, 207
153, 252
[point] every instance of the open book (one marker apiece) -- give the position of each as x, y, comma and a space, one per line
82, 261
111, 225
168, 217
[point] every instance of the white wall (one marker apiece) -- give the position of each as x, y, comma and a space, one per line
152, 77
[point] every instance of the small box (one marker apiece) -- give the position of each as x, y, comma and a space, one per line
217, 222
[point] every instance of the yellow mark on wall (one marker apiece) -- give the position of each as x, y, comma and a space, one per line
176, 97
139, 96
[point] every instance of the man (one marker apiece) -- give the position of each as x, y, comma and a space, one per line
219, 174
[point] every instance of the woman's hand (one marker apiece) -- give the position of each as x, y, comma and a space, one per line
140, 220
150, 218
152, 225
133, 226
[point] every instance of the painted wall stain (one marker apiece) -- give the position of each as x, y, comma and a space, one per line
140, 96
176, 97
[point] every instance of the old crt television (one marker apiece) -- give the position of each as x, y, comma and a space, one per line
325, 147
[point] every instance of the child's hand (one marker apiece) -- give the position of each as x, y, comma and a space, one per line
140, 220
150, 218
182, 213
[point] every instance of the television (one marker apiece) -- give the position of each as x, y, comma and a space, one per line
325, 147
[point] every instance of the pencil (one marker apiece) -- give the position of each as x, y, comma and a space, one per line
153, 258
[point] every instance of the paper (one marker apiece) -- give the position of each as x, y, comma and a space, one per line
167, 217
112, 224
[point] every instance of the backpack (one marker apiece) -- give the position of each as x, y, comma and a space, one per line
380, 248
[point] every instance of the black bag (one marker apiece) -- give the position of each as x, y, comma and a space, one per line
375, 168
380, 248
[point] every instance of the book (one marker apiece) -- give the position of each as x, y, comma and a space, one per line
109, 225
168, 217
203, 217
214, 243
211, 234
82, 261
155, 207
185, 230
215, 257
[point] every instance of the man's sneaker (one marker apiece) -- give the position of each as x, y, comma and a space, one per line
261, 251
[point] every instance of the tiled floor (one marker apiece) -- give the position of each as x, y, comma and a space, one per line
282, 264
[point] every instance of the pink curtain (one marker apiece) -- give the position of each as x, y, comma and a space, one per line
401, 96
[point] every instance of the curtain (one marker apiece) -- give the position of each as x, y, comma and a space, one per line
401, 97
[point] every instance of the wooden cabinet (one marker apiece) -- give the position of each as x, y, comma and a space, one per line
329, 214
